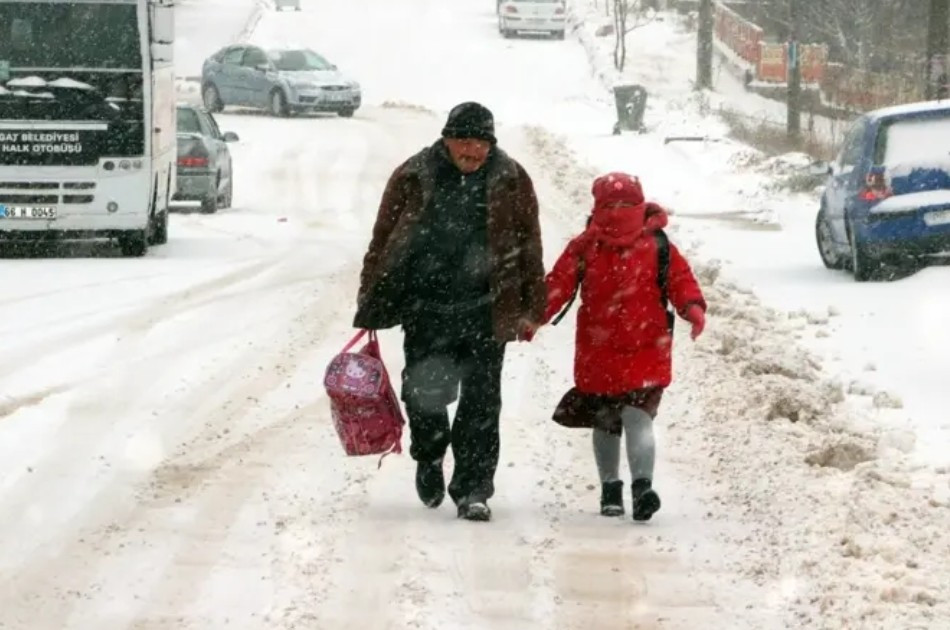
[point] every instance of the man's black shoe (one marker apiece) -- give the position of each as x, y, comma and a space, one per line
430, 483
475, 511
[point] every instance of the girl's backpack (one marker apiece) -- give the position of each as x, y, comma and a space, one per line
663, 272
366, 411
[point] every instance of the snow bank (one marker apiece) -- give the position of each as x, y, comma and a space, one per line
836, 521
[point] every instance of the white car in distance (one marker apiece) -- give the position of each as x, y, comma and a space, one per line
532, 16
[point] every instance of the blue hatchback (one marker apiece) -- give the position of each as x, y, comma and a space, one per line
888, 192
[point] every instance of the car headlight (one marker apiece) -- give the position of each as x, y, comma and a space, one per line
303, 85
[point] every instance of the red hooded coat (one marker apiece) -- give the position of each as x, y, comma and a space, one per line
622, 341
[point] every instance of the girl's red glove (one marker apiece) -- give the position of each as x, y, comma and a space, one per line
696, 316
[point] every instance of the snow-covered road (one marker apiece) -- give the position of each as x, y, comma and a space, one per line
167, 459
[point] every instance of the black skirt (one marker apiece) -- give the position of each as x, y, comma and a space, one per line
578, 410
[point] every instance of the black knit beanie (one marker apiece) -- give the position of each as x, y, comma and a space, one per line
470, 120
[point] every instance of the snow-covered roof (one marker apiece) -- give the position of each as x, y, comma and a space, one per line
66, 82
27, 82
910, 108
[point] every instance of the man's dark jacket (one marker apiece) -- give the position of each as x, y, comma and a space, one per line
514, 238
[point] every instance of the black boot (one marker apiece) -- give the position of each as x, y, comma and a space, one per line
430, 483
645, 500
611, 498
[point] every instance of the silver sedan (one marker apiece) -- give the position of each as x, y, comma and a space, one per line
282, 81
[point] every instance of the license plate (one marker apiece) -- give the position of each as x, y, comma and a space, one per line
27, 212
941, 217
337, 97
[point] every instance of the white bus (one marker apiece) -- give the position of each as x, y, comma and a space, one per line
87, 120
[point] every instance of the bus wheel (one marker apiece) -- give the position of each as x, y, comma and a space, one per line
134, 244
160, 229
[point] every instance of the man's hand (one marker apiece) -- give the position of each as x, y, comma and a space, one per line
527, 329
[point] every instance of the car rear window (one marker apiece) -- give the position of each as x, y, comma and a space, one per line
188, 121
916, 141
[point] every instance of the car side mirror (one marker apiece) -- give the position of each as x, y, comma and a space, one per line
230, 136
821, 168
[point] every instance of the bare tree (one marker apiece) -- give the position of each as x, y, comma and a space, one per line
629, 15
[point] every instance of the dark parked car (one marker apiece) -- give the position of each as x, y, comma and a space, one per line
205, 173
888, 192
281, 81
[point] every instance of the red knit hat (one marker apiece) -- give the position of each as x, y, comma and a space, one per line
617, 188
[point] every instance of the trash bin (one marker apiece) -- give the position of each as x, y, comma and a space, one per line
631, 103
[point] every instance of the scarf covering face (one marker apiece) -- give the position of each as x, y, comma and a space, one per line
621, 215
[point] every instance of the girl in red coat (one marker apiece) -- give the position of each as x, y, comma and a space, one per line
624, 332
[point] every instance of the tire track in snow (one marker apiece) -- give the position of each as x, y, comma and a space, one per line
140, 319
121, 395
209, 402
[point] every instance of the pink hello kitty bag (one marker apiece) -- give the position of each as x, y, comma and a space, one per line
366, 411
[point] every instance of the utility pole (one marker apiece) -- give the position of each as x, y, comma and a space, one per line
704, 50
938, 43
794, 73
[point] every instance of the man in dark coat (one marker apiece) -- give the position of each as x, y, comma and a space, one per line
456, 260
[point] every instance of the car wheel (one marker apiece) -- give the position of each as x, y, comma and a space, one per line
863, 265
212, 99
826, 247
346, 113
209, 205
278, 104
160, 229
134, 243
228, 196
559, 35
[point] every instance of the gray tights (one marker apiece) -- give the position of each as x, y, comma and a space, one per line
641, 447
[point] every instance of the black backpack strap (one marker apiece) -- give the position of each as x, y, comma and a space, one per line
581, 270
663, 276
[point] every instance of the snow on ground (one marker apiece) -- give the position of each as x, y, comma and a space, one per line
168, 456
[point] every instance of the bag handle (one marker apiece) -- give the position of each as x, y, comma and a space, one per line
355, 340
